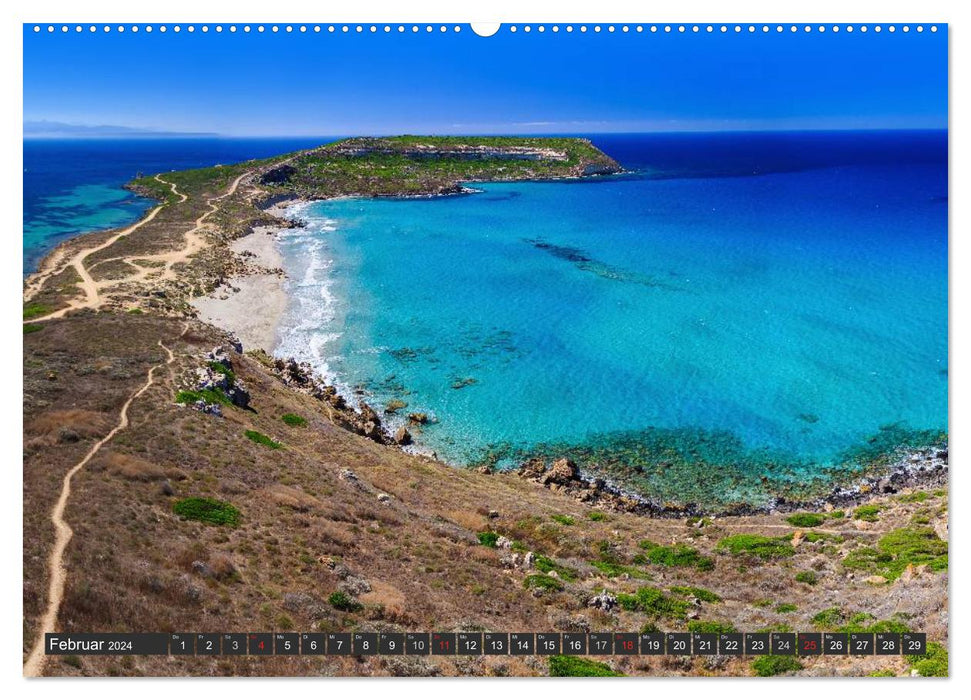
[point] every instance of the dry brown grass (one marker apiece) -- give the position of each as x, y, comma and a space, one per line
292, 498
133, 564
67, 425
470, 521
136, 469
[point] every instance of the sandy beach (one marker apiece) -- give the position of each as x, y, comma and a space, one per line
250, 306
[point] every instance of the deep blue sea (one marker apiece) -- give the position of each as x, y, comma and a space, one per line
736, 306
73, 186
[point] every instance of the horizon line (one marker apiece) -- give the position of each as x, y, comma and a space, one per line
190, 135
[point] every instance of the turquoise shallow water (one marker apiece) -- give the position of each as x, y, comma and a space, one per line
74, 186
781, 319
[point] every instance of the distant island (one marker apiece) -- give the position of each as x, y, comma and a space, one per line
419, 165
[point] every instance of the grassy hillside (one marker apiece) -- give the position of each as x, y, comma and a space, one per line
185, 522
426, 165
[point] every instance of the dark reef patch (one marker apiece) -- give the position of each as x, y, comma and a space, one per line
714, 471
583, 261
410, 354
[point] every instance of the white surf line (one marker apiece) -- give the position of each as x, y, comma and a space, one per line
34, 665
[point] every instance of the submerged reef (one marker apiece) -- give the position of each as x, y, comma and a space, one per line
680, 470
583, 261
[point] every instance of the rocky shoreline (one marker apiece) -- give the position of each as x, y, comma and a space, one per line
924, 468
927, 468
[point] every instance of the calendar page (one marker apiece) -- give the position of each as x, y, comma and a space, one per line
525, 349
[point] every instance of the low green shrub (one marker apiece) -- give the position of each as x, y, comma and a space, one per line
784, 608
342, 601
899, 548
542, 582
933, 663
597, 516
36, 309
837, 620
576, 666
613, 570
563, 519
293, 420
545, 565
261, 439
678, 555
220, 368
914, 497
488, 539
702, 594
773, 665
207, 510
653, 602
757, 546
807, 577
806, 520
32, 327
828, 619
212, 396
867, 513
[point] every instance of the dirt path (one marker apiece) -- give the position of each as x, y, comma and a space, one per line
91, 298
55, 267
194, 242
34, 665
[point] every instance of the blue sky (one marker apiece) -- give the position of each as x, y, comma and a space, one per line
327, 84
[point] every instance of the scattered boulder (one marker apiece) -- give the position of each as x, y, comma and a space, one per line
603, 601
418, 418
562, 473
298, 602
234, 342
394, 405
355, 585
354, 480
201, 568
532, 469
212, 409
402, 436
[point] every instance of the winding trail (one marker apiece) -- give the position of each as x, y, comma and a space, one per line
88, 285
34, 665
91, 298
